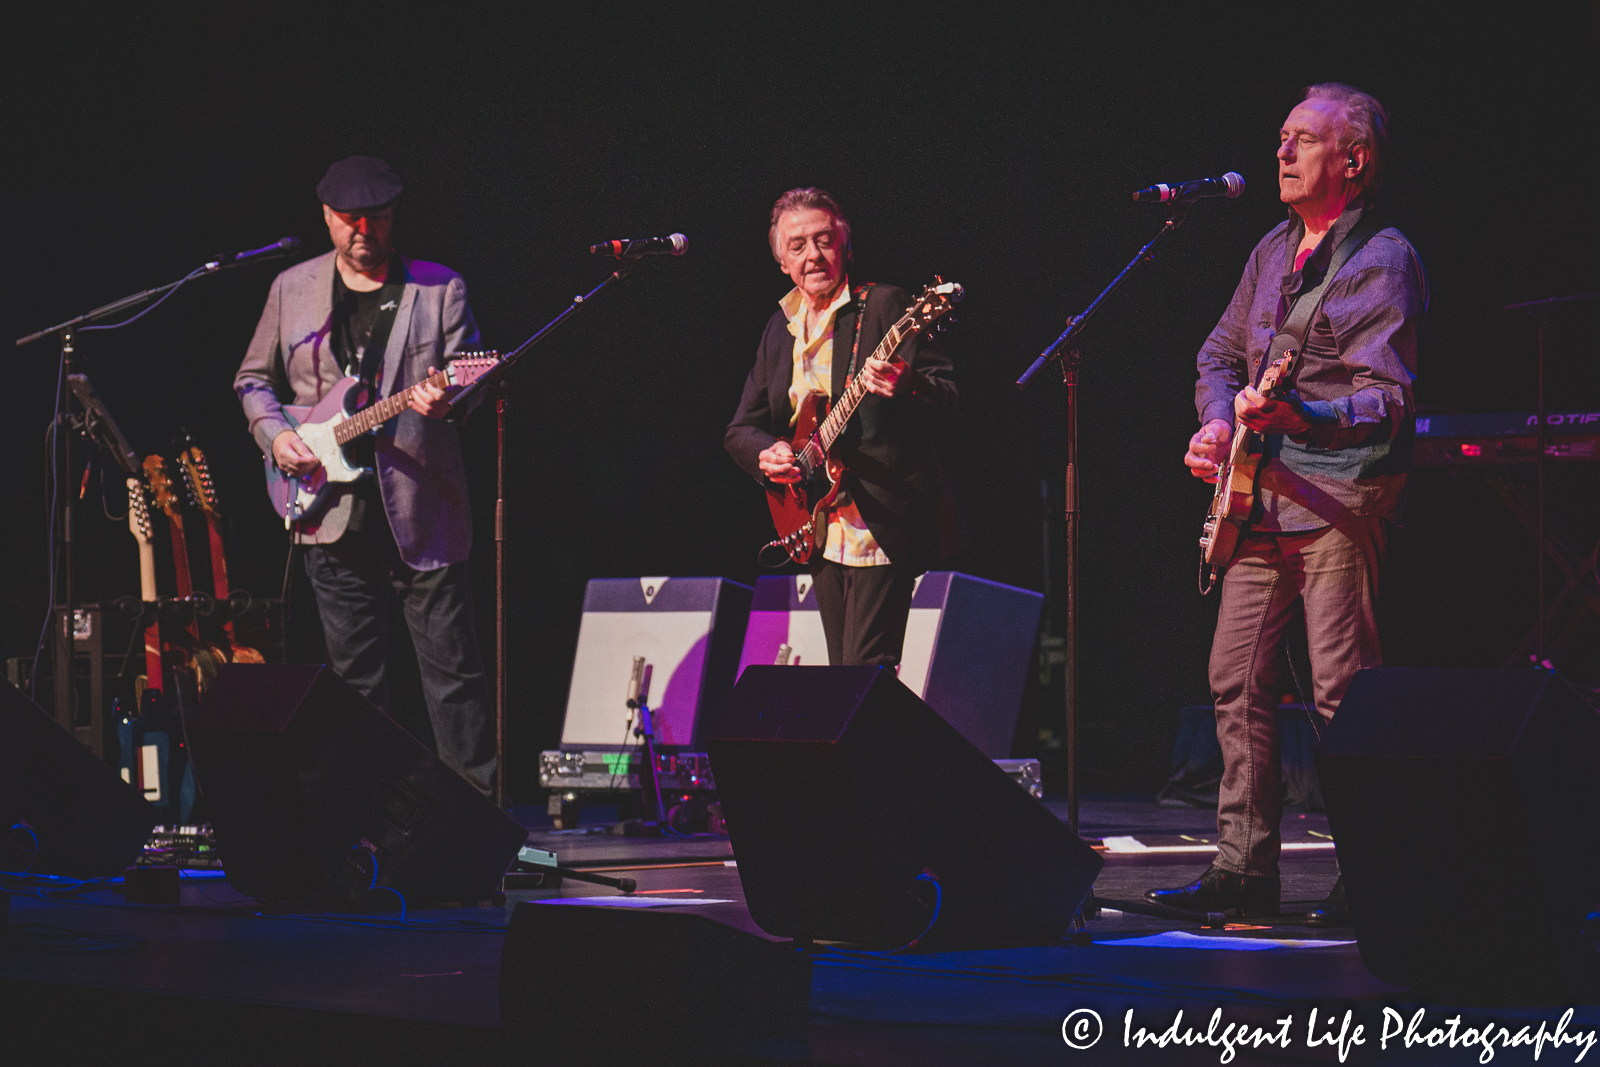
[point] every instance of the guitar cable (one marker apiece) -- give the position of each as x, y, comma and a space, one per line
283, 599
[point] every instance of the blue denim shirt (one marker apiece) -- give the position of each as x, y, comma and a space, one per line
1355, 375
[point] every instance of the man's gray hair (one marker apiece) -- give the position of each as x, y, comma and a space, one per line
1365, 122
800, 199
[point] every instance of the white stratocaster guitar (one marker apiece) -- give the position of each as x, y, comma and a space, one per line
334, 422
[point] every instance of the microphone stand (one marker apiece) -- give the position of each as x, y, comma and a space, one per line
1066, 350
496, 380
64, 424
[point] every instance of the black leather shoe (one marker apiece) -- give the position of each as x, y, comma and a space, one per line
1220, 891
1335, 911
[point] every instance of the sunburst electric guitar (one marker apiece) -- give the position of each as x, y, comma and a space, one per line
203, 492
1235, 494
139, 525
798, 507
336, 420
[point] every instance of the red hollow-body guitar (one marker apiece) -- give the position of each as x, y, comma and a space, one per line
798, 507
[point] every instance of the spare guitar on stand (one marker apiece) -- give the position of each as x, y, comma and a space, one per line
203, 493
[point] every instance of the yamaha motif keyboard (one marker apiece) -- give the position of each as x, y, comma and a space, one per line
1506, 437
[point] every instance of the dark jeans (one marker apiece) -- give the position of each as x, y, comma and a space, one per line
353, 578
863, 612
1333, 574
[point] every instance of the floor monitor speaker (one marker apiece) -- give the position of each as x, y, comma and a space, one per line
63, 811
316, 795
860, 815
1465, 804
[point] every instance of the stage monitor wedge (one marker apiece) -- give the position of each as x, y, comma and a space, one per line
88, 823
1465, 804
309, 785
842, 790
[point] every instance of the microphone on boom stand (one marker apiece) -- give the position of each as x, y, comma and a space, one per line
626, 247
1229, 185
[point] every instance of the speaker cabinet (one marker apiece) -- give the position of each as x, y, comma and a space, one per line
316, 795
689, 631
1466, 809
859, 815
968, 643
82, 820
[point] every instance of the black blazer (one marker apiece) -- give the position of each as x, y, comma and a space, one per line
890, 448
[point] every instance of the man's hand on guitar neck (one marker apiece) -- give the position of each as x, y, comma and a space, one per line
777, 462
882, 376
292, 455
430, 400
1207, 449
1264, 414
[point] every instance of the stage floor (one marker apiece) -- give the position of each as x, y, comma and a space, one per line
220, 976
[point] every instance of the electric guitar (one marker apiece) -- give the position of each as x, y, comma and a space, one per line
155, 473
336, 420
203, 492
797, 507
1235, 494
143, 533
201, 657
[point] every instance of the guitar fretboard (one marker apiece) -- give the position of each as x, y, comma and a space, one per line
462, 372
371, 417
839, 415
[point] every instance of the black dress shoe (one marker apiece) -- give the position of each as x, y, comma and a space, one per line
1335, 911
1217, 890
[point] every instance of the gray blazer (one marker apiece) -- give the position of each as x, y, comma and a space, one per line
421, 476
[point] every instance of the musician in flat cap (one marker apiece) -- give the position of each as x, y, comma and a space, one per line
362, 311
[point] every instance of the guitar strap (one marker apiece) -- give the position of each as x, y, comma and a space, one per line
394, 287
1297, 325
861, 314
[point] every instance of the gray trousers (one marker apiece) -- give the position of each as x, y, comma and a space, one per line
354, 577
1332, 574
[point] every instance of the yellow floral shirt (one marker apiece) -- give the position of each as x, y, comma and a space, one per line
849, 541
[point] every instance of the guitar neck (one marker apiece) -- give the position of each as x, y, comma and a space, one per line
839, 416
370, 418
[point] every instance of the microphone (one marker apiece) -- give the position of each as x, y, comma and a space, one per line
1229, 185
675, 245
284, 246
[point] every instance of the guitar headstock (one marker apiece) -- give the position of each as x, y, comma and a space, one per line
1275, 379
197, 475
138, 513
932, 304
155, 472
467, 367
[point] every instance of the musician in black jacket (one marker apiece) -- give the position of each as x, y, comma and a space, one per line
896, 515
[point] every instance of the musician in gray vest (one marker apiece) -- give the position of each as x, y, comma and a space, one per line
1338, 447
362, 311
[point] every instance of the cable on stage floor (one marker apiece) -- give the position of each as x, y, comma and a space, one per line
48, 937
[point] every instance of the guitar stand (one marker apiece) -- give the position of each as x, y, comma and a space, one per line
1067, 350
93, 425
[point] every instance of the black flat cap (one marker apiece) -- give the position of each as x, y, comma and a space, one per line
360, 183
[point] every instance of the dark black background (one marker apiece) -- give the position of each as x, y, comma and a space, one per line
993, 144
